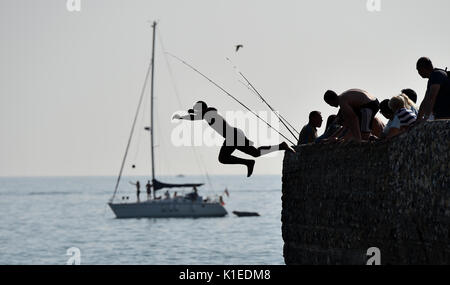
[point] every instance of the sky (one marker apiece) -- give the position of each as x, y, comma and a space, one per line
70, 80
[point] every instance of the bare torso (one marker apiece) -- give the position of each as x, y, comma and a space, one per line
350, 102
218, 123
355, 98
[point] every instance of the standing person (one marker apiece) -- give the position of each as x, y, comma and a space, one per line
193, 195
437, 96
148, 187
358, 109
167, 195
235, 138
308, 134
138, 189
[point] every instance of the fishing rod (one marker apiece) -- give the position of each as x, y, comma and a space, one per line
283, 120
280, 117
273, 110
227, 93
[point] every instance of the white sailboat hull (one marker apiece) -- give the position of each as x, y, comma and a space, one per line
171, 208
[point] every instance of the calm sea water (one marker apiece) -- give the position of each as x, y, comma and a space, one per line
42, 217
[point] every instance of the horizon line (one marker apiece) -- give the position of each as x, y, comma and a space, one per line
109, 175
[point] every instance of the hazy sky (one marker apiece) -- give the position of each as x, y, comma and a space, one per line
70, 81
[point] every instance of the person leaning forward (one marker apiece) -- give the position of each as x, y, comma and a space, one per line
358, 109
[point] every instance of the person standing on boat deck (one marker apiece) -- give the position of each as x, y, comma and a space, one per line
148, 187
194, 194
138, 188
235, 138
358, 110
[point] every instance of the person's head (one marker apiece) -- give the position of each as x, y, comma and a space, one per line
331, 98
315, 119
330, 120
410, 93
408, 102
200, 108
424, 67
385, 110
396, 103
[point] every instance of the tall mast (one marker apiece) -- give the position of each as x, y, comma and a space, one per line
152, 146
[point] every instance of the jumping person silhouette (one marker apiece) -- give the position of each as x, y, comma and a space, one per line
234, 137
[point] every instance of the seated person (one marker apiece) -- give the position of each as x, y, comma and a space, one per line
332, 126
405, 116
335, 130
412, 95
409, 104
393, 122
308, 134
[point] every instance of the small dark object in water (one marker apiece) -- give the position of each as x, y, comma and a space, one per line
133, 166
245, 214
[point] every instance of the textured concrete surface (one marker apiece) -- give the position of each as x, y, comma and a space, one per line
340, 200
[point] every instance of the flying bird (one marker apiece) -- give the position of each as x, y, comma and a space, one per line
238, 47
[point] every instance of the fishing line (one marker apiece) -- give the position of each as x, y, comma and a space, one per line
254, 91
281, 117
227, 93
272, 109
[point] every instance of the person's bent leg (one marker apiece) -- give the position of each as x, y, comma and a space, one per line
263, 150
225, 157
367, 116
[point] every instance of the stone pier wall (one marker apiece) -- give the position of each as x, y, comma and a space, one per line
339, 200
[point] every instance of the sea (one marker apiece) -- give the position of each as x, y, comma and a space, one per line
52, 220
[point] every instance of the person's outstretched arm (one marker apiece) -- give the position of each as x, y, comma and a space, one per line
192, 116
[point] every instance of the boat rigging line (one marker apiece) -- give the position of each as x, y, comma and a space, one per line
197, 157
144, 87
229, 94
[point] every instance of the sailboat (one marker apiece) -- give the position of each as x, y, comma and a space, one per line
189, 205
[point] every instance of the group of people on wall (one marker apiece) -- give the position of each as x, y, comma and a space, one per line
356, 119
